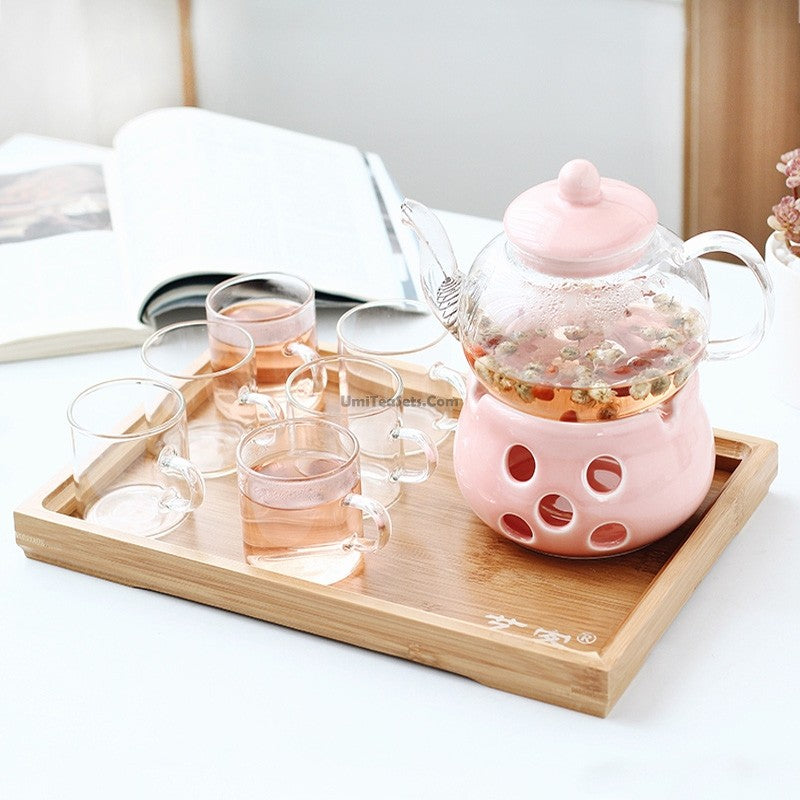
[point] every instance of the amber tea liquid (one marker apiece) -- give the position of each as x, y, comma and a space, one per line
273, 324
299, 518
576, 374
577, 404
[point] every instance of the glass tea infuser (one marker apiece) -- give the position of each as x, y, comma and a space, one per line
583, 433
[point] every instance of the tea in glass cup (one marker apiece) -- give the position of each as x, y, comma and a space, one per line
301, 506
278, 312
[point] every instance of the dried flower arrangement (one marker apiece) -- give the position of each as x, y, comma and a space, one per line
785, 218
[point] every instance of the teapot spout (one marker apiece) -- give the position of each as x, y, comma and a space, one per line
441, 278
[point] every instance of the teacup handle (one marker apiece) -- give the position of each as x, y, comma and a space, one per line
727, 242
441, 372
378, 514
174, 466
424, 443
249, 397
303, 350
309, 355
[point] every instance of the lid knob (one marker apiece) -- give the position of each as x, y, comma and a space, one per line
579, 183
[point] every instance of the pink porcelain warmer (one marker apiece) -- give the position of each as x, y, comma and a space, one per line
582, 433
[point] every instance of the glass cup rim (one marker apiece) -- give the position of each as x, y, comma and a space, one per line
256, 276
392, 302
251, 349
95, 387
297, 423
359, 413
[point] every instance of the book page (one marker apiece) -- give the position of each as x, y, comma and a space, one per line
203, 192
58, 277
406, 241
403, 242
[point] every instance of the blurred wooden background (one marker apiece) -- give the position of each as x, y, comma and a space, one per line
742, 111
188, 75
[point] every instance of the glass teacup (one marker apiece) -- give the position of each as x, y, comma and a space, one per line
301, 506
395, 331
366, 396
278, 312
221, 396
131, 467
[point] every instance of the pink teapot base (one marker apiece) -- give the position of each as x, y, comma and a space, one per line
584, 490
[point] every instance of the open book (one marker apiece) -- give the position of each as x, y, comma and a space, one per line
98, 245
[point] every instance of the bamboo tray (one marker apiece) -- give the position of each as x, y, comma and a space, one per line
446, 591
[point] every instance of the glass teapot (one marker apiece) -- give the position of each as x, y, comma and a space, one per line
584, 308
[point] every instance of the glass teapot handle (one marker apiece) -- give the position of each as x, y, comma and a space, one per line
727, 242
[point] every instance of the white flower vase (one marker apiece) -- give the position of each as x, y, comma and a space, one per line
784, 336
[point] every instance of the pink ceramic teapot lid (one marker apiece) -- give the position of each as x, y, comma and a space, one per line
581, 225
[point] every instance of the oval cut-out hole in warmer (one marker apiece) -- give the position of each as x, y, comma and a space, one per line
555, 510
604, 474
516, 527
520, 463
608, 535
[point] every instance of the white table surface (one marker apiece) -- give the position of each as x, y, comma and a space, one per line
112, 692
